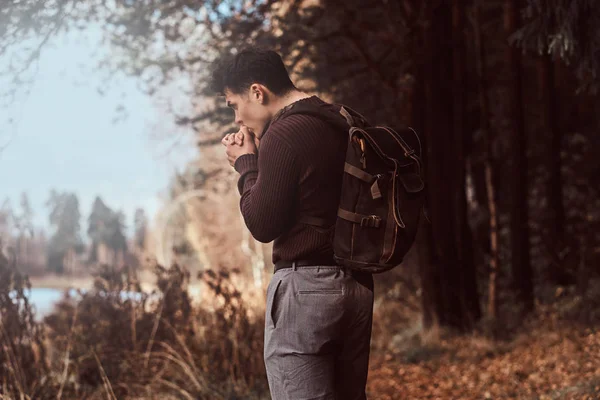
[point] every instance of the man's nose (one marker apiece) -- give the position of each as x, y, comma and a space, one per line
238, 120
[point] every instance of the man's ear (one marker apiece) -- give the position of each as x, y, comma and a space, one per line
258, 93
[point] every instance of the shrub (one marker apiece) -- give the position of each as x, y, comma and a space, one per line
24, 372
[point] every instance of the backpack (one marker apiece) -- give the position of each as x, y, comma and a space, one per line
382, 195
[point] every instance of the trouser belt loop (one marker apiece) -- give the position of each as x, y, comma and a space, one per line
294, 266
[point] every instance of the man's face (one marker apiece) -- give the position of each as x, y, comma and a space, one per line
249, 110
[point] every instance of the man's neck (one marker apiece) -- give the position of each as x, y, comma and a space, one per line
288, 99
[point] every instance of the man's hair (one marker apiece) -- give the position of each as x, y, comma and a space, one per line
237, 73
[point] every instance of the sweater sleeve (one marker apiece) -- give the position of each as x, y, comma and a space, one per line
268, 184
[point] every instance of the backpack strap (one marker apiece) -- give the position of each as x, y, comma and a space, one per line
359, 173
409, 152
344, 120
337, 120
371, 221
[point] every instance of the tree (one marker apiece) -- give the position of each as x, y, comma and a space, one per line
64, 218
140, 223
5, 223
565, 29
551, 123
106, 226
114, 236
519, 212
26, 216
24, 225
484, 126
98, 218
449, 276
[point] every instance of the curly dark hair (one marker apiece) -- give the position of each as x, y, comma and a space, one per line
253, 65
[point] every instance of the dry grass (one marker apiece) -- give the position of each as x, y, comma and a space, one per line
22, 348
104, 345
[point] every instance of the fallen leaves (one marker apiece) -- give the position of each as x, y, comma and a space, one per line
546, 363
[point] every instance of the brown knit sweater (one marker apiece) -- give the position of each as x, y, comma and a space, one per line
298, 171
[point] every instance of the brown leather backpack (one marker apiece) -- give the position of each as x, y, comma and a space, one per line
382, 194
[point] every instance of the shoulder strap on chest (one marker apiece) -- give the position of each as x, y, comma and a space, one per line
344, 119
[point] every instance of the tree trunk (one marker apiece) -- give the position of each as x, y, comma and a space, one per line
427, 256
431, 297
519, 224
492, 306
464, 243
556, 223
447, 270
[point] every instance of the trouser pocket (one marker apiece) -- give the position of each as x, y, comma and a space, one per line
271, 308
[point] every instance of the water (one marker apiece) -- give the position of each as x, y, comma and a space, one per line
45, 299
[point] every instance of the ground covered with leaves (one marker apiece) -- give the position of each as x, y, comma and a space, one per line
551, 358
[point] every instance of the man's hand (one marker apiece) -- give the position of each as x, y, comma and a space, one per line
234, 138
238, 144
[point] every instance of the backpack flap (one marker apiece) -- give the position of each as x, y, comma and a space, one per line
407, 197
412, 182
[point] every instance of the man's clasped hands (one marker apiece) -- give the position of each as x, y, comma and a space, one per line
239, 143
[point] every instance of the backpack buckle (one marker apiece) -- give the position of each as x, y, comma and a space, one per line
371, 221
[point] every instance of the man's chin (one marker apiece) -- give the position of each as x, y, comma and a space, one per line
255, 132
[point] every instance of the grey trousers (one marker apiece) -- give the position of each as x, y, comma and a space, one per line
317, 333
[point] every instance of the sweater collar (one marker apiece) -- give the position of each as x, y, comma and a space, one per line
282, 111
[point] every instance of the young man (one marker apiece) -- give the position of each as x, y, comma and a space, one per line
319, 315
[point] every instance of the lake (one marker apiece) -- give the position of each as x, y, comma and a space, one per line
45, 299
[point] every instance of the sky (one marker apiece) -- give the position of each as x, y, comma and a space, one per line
62, 136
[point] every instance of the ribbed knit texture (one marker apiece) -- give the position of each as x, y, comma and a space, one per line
298, 171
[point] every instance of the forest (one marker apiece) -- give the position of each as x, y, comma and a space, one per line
498, 299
